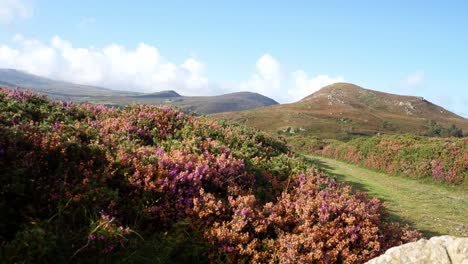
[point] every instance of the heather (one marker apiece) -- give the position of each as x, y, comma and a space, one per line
440, 159
142, 184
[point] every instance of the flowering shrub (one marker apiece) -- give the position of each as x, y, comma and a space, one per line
89, 183
105, 235
413, 156
317, 221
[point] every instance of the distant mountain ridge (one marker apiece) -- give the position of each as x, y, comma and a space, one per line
66, 91
161, 94
344, 108
13, 78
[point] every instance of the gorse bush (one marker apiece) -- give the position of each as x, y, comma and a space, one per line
413, 156
145, 184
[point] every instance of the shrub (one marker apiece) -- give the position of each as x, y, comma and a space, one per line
92, 184
413, 156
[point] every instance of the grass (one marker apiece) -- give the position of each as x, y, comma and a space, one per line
431, 208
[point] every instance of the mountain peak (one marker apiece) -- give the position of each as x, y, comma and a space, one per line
346, 108
170, 92
353, 97
342, 86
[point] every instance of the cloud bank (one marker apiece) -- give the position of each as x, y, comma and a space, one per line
144, 69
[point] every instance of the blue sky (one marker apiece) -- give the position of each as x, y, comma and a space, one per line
283, 49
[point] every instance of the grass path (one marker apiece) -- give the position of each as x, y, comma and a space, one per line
433, 209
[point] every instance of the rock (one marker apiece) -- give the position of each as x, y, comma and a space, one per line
441, 250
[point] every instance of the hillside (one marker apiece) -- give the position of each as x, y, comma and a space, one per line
344, 109
66, 91
86, 184
197, 104
54, 88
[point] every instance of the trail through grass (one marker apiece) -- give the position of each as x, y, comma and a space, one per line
433, 209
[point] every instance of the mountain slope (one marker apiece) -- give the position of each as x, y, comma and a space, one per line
53, 88
347, 109
197, 104
65, 91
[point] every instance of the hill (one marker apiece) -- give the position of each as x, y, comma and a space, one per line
65, 91
162, 94
53, 88
344, 109
200, 104
86, 184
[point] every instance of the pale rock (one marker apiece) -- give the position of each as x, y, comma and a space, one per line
440, 250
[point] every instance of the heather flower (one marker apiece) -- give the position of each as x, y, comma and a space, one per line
437, 170
238, 191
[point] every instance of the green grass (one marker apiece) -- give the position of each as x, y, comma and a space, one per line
433, 209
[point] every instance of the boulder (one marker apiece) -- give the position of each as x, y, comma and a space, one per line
441, 250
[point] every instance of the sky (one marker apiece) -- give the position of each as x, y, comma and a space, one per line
283, 49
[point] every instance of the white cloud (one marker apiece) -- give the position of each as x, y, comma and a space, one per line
114, 66
144, 69
414, 80
270, 80
194, 70
267, 78
305, 86
10, 10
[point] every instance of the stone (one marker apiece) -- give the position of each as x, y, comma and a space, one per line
440, 250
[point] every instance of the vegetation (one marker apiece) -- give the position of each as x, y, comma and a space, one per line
442, 159
143, 184
433, 208
436, 130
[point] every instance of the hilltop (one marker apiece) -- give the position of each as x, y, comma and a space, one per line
345, 109
66, 91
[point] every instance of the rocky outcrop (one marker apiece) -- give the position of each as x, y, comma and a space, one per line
441, 250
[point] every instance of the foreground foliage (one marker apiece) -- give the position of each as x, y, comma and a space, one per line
145, 184
443, 159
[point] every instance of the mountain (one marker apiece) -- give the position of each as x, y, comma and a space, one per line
65, 91
197, 104
53, 88
162, 94
344, 109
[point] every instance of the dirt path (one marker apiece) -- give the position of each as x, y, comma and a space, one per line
431, 208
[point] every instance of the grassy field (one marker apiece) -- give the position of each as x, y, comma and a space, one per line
433, 209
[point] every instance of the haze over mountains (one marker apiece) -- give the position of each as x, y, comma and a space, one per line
344, 108
60, 90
